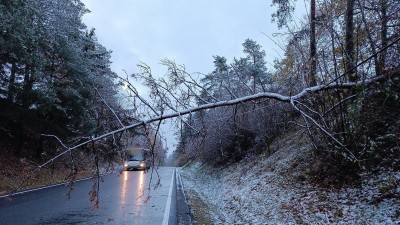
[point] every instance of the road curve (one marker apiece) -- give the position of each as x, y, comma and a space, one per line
122, 201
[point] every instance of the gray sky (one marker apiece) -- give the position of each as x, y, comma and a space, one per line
188, 31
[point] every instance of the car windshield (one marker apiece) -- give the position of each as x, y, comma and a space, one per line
136, 158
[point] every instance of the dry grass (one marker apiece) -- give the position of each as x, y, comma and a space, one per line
199, 210
21, 174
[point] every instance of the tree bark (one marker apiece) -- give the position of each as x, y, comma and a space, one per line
312, 81
384, 39
349, 43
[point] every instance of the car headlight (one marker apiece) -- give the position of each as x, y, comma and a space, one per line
125, 164
142, 164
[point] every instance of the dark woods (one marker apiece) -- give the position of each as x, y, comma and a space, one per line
56, 83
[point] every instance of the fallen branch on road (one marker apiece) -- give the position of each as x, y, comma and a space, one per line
269, 95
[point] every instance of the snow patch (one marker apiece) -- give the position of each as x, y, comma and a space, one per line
250, 192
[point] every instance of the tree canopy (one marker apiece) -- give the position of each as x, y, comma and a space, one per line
53, 72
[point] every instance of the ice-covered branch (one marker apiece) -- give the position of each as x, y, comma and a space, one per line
104, 101
133, 89
269, 95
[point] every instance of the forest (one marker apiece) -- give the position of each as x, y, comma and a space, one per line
57, 90
338, 81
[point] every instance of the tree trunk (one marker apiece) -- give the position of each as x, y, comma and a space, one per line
384, 39
313, 48
11, 84
349, 43
27, 88
369, 36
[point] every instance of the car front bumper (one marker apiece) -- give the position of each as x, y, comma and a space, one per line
140, 166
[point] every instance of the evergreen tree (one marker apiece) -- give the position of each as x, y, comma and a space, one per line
50, 68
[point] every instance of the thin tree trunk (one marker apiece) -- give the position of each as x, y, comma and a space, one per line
11, 83
313, 47
369, 36
349, 42
25, 95
384, 38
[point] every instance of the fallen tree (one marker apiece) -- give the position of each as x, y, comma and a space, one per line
181, 89
266, 95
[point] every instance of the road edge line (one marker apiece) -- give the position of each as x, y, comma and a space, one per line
169, 200
44, 187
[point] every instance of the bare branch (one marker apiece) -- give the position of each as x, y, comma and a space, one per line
269, 95
133, 89
104, 101
320, 127
58, 139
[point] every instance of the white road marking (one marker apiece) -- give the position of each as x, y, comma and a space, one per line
40, 188
168, 206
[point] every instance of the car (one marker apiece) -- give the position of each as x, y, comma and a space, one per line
136, 163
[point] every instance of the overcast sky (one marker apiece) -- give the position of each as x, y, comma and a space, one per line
188, 31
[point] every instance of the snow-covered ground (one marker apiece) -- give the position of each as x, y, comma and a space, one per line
257, 191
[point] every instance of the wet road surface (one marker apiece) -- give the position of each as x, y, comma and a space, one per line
122, 201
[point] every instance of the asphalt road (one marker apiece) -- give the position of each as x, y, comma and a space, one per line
122, 201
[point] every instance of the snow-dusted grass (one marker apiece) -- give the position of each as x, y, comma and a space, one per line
262, 191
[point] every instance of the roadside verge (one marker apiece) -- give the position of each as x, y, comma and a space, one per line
183, 210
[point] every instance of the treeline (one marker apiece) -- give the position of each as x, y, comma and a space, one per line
55, 79
350, 129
